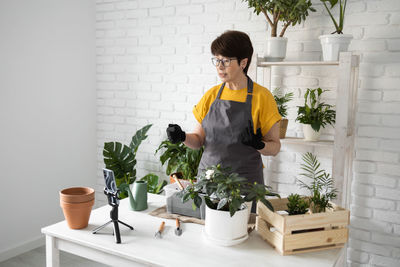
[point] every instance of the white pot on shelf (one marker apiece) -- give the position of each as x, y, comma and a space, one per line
223, 230
275, 49
309, 133
333, 44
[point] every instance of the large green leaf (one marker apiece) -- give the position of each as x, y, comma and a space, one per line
139, 136
119, 158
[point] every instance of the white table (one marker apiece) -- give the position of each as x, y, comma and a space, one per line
139, 247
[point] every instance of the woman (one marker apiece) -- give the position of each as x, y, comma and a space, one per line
238, 119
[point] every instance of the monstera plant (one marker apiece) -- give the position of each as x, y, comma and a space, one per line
121, 159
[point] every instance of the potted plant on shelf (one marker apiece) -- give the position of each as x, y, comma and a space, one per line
321, 188
314, 114
181, 160
228, 202
289, 13
121, 159
336, 42
282, 108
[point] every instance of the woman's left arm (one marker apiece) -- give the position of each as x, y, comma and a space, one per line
272, 142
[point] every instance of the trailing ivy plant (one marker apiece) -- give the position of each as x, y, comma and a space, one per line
297, 204
180, 158
281, 101
225, 190
314, 112
321, 188
121, 159
153, 186
290, 12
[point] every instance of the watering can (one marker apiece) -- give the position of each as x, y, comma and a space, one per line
138, 195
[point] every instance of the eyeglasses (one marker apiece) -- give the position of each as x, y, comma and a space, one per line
225, 62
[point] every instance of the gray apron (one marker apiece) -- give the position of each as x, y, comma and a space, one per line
223, 125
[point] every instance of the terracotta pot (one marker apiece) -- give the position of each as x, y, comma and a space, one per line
77, 214
77, 203
77, 194
283, 128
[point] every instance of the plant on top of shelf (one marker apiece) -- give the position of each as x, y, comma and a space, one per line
281, 101
321, 187
289, 12
121, 159
297, 204
315, 114
180, 159
333, 44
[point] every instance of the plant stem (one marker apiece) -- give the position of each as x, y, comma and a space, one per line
284, 29
267, 17
333, 19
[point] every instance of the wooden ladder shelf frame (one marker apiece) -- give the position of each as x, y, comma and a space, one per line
346, 106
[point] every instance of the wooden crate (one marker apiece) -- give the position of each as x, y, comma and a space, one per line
302, 233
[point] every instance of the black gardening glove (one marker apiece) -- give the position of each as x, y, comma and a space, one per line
251, 139
175, 133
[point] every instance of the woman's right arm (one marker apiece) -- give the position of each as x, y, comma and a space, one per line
196, 139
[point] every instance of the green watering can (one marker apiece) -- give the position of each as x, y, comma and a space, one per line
138, 195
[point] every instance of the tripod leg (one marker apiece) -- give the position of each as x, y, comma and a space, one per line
116, 231
101, 227
130, 227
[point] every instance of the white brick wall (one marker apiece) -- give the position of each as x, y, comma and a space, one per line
153, 65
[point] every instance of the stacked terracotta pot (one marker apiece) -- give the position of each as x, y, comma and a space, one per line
77, 203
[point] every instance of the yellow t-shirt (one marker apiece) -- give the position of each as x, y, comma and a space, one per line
263, 107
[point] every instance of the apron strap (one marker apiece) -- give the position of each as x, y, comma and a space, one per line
220, 91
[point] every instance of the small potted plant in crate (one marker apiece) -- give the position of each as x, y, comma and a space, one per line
289, 13
336, 42
324, 226
315, 114
282, 108
228, 203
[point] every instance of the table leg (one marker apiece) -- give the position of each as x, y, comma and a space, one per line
52, 253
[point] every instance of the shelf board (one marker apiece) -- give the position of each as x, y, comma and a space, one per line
262, 63
301, 141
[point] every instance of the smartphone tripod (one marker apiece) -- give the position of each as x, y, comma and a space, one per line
113, 201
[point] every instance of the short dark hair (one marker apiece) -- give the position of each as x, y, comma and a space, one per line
233, 44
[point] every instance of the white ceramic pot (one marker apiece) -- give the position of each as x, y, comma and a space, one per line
310, 134
275, 49
333, 44
224, 230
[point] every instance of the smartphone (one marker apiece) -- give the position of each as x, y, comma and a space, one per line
111, 186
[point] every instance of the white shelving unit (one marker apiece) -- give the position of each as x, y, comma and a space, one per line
346, 100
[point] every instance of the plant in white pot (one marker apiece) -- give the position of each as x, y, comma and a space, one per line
289, 12
228, 203
315, 114
336, 42
281, 101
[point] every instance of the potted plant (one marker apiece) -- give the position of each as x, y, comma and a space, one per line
297, 204
282, 108
289, 12
336, 42
314, 114
321, 188
121, 159
181, 160
228, 202
153, 186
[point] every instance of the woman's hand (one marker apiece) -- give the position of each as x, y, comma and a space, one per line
250, 139
175, 133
